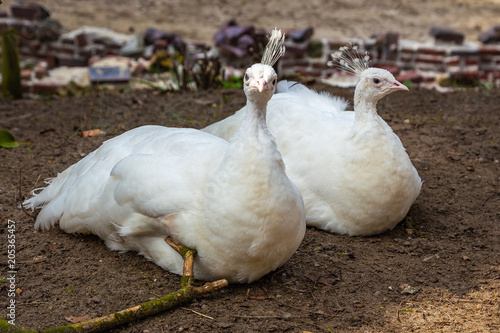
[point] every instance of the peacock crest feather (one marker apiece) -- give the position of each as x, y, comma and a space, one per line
348, 59
274, 48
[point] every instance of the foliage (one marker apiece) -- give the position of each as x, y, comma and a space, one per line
7, 140
11, 73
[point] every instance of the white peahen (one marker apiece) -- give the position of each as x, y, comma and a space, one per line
231, 202
352, 170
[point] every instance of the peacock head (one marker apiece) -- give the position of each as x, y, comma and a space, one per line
260, 83
374, 83
260, 80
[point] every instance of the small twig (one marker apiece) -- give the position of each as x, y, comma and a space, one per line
198, 313
141, 311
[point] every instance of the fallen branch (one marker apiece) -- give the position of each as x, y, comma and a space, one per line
187, 293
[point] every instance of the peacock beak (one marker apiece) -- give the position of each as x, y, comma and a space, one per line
396, 85
261, 84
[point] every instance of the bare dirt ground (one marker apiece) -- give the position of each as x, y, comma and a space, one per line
437, 271
446, 248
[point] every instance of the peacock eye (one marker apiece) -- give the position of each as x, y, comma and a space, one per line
274, 81
246, 77
376, 81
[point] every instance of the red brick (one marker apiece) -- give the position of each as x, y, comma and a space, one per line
81, 40
436, 60
26, 74
412, 76
468, 73
489, 50
297, 50
336, 44
308, 73
452, 61
431, 51
394, 70
471, 61
294, 63
320, 65
46, 88
67, 41
491, 75
408, 51
35, 45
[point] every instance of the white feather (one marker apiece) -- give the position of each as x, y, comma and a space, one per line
352, 170
232, 202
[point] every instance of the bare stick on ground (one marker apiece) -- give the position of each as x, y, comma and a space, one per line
187, 293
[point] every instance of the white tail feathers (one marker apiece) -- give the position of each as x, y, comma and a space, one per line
349, 60
274, 48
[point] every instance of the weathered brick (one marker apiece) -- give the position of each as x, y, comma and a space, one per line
92, 50
28, 11
70, 61
308, 72
336, 44
296, 50
489, 50
67, 41
452, 61
294, 63
35, 45
431, 51
465, 52
394, 70
447, 35
40, 69
320, 65
25, 74
81, 40
427, 59
471, 61
46, 88
412, 76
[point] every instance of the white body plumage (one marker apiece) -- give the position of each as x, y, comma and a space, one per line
232, 202
352, 170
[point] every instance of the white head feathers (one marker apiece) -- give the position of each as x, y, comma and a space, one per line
349, 60
274, 48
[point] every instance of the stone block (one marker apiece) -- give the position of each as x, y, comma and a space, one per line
29, 11
442, 35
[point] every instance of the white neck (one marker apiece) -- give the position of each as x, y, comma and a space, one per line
365, 108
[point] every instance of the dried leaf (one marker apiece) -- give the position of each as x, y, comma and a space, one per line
87, 133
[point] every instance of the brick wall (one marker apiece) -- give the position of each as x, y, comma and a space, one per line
407, 60
448, 54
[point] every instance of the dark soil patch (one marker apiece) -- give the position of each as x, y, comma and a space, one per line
447, 247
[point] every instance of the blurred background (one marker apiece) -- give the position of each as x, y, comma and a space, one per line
200, 19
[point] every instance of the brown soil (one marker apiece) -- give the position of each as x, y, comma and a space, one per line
446, 249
